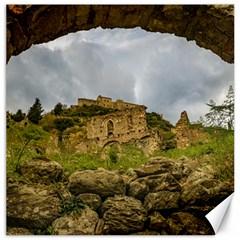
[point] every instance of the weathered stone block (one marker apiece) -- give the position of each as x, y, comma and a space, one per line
33, 206
76, 223
102, 182
182, 223
161, 200
92, 200
123, 215
41, 170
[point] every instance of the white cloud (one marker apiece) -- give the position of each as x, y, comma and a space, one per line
163, 72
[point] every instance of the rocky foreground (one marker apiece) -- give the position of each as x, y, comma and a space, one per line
163, 197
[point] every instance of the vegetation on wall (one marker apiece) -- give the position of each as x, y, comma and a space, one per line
218, 152
154, 120
87, 111
31, 138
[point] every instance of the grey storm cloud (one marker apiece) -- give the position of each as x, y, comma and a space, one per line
165, 73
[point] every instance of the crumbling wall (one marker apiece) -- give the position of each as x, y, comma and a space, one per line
128, 124
121, 126
107, 102
187, 134
211, 26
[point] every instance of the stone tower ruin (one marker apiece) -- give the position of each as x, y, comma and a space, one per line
187, 133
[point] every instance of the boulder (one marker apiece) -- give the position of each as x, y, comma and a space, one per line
161, 200
101, 228
41, 170
92, 200
18, 231
81, 222
34, 206
182, 223
102, 182
146, 232
157, 222
195, 176
163, 182
182, 168
132, 174
153, 166
153, 183
123, 214
63, 191
138, 189
204, 191
198, 210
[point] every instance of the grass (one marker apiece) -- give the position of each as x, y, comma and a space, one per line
72, 162
218, 153
127, 157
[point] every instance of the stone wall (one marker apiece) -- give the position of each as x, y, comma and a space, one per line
211, 26
187, 134
123, 125
126, 124
107, 102
162, 197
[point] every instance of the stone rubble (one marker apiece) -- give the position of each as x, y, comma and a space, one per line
164, 197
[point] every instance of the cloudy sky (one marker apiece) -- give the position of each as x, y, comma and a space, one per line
166, 73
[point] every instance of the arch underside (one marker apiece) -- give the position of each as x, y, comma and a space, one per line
110, 142
211, 26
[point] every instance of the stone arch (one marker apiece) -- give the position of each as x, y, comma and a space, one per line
211, 26
108, 143
110, 127
145, 137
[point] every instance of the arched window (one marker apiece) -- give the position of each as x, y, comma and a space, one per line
110, 127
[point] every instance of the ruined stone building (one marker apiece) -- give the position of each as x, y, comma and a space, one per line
187, 134
107, 102
127, 124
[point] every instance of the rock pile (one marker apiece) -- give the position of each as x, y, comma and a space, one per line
161, 197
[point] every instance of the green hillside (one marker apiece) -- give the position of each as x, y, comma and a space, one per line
27, 140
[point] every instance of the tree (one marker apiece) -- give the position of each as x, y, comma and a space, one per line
18, 116
58, 109
229, 108
222, 115
61, 124
35, 112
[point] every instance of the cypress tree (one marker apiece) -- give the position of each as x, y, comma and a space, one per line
35, 112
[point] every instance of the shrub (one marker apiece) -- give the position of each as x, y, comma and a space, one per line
113, 155
63, 123
18, 116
